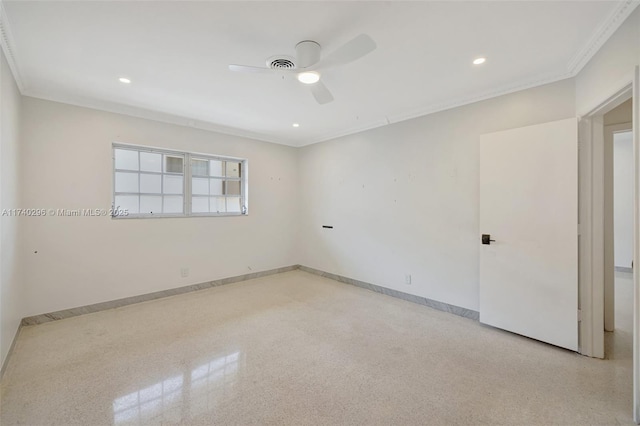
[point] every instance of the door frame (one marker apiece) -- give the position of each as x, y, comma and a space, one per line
592, 225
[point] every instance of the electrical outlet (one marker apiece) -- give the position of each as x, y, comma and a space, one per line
184, 272
407, 279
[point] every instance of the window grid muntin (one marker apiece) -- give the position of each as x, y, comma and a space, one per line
162, 174
223, 178
187, 182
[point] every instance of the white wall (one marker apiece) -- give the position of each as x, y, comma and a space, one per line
623, 198
403, 199
611, 68
11, 291
66, 163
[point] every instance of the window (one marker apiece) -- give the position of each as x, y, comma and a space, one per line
152, 182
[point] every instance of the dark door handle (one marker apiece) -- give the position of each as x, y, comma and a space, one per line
486, 239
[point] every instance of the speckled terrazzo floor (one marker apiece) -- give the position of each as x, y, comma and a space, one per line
297, 349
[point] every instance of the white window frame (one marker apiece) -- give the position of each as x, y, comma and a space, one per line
187, 180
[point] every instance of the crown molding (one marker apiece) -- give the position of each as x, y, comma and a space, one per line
153, 115
600, 37
435, 108
374, 124
501, 91
6, 40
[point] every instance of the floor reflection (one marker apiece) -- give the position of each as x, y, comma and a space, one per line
211, 383
194, 392
144, 403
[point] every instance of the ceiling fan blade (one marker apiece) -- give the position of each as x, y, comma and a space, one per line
349, 52
248, 69
321, 93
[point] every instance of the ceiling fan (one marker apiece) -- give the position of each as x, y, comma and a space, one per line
308, 63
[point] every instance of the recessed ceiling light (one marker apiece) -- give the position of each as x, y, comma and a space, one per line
124, 80
309, 77
296, 125
479, 61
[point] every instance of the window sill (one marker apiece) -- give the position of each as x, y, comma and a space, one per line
176, 216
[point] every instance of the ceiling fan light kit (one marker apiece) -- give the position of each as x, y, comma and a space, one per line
308, 77
308, 62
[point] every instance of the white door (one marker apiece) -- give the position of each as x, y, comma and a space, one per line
529, 206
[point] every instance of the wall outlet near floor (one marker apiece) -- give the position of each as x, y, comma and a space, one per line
184, 272
407, 279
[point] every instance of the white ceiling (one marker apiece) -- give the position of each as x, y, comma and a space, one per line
176, 54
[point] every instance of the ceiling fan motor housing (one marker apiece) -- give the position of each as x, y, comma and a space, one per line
307, 53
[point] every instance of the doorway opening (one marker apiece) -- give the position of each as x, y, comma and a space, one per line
618, 233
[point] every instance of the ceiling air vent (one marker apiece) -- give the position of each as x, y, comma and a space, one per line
281, 63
